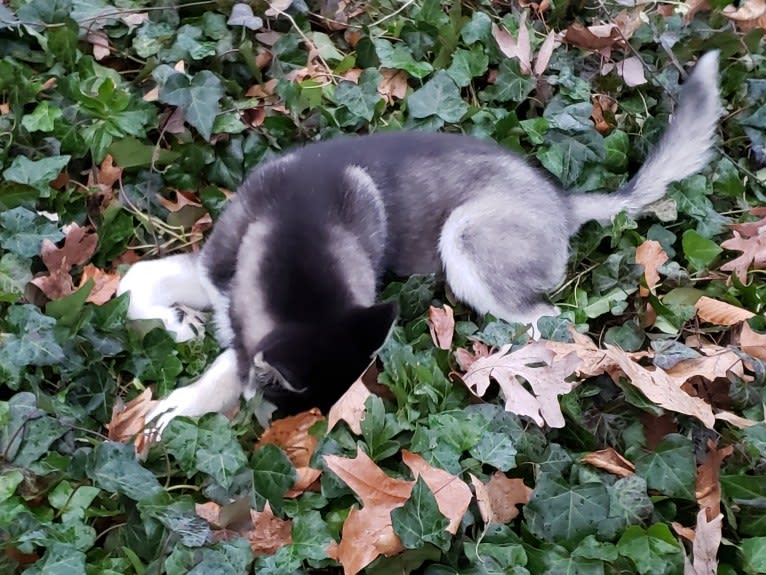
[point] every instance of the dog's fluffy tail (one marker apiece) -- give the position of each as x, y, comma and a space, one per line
683, 150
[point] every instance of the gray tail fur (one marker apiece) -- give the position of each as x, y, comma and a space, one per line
683, 150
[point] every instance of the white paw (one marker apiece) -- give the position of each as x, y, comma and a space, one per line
186, 323
182, 401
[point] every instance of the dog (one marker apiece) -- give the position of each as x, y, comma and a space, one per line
291, 268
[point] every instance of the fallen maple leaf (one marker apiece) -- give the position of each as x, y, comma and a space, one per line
368, 532
537, 365
660, 388
79, 246
129, 419
609, 460
105, 284
291, 434
708, 488
393, 85
350, 407
441, 323
497, 500
720, 313
650, 255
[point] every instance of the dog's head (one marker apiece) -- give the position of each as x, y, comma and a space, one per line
299, 366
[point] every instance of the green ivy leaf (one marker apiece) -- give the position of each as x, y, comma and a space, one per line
114, 468
14, 276
670, 468
467, 65
199, 98
59, 559
361, 98
440, 97
273, 475
42, 118
32, 340
47, 11
754, 552
561, 512
496, 450
511, 85
37, 174
699, 251
419, 520
399, 57
567, 155
653, 550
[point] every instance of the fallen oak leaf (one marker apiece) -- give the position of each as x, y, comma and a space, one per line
539, 367
498, 498
706, 539
650, 255
465, 358
79, 246
609, 460
269, 532
105, 284
753, 254
659, 387
441, 324
720, 313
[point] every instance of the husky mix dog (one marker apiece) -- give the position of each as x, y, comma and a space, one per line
291, 268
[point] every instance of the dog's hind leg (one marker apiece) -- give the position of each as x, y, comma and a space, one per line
169, 289
502, 260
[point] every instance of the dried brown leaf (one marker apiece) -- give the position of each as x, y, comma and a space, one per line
592, 38
452, 495
650, 255
535, 363
603, 106
497, 500
720, 313
100, 43
609, 460
393, 85
661, 388
441, 323
543, 57
129, 419
708, 488
350, 407
752, 342
269, 533
182, 199
465, 358
750, 14
753, 254
706, 541
632, 71
520, 48
79, 246
292, 435
105, 284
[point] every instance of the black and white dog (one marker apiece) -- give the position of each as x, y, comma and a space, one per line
291, 268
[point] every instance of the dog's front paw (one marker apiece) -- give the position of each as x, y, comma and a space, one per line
183, 401
186, 323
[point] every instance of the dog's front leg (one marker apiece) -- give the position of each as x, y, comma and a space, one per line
218, 390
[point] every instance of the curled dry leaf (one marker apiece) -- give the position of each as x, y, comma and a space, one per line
465, 358
708, 488
105, 284
79, 246
497, 500
350, 407
182, 199
706, 538
603, 104
520, 48
292, 435
750, 15
609, 460
720, 313
129, 419
368, 532
441, 323
265, 532
650, 255
660, 388
632, 71
752, 342
538, 365
597, 38
392, 85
